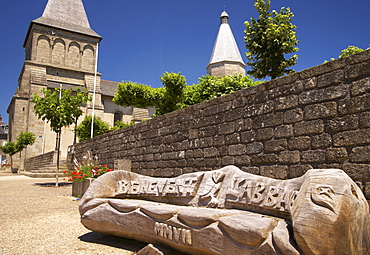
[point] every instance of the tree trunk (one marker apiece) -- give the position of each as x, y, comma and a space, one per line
58, 153
74, 137
20, 161
11, 163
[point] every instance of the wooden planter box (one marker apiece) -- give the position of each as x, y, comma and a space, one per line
79, 188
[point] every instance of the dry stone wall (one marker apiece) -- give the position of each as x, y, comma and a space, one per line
43, 160
316, 118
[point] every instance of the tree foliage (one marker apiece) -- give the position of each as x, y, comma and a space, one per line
9, 148
268, 39
134, 94
350, 50
59, 107
83, 130
209, 87
173, 93
23, 140
121, 124
165, 99
176, 94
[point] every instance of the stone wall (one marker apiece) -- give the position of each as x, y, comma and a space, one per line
316, 118
225, 68
43, 160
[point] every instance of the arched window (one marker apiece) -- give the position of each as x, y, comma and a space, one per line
73, 55
88, 58
117, 116
43, 49
58, 53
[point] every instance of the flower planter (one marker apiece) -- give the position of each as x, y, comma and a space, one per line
5, 167
79, 188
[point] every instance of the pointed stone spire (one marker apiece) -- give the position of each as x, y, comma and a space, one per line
225, 51
68, 15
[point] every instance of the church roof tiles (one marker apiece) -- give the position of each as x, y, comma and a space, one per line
225, 48
108, 88
68, 15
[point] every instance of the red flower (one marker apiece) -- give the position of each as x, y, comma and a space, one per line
109, 170
84, 175
104, 165
74, 177
79, 177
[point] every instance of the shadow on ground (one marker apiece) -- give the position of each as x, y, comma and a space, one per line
52, 184
122, 243
114, 241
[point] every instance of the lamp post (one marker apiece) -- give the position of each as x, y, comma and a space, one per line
93, 102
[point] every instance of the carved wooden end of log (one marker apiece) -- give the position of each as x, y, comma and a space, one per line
228, 211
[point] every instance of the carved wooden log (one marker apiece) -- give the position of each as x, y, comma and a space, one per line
228, 211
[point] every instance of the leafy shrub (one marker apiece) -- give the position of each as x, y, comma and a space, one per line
83, 131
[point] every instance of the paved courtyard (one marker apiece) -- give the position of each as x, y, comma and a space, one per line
39, 218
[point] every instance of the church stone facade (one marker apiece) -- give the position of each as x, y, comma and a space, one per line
61, 51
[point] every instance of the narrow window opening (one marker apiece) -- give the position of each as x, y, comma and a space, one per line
117, 117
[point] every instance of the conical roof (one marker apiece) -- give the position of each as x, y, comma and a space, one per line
68, 15
225, 48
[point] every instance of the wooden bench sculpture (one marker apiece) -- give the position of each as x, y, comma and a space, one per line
228, 211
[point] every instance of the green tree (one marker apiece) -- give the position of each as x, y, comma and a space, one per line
164, 99
60, 108
209, 87
23, 140
120, 124
268, 39
83, 131
173, 93
134, 94
10, 148
350, 50
176, 94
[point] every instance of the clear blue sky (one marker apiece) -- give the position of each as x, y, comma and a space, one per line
144, 38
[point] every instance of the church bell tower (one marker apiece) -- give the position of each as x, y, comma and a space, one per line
225, 58
61, 51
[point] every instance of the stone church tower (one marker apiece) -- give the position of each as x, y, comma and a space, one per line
226, 58
60, 51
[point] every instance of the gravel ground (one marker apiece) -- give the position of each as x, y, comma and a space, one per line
38, 218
